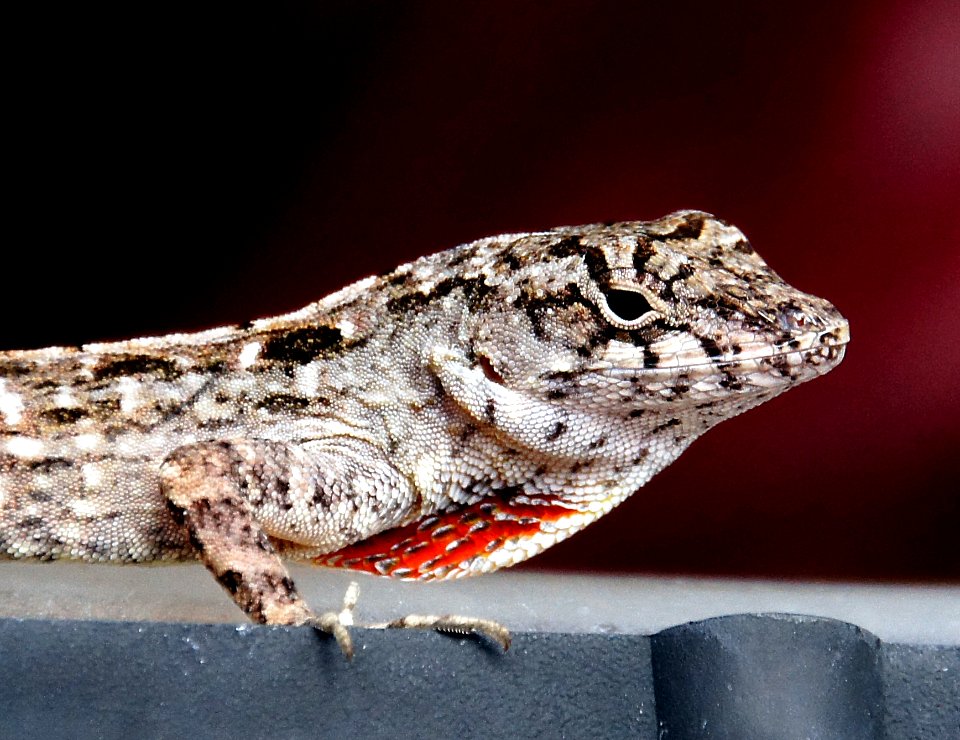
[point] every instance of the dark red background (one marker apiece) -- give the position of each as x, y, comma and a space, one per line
176, 168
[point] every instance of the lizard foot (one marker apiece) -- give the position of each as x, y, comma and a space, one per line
453, 623
336, 623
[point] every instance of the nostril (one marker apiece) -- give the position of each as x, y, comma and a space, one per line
793, 320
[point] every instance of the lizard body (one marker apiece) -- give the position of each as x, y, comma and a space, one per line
456, 415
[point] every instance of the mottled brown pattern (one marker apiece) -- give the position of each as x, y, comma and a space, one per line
566, 366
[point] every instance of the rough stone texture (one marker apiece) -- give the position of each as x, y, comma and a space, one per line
922, 685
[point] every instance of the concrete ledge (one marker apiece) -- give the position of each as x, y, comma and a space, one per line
724, 678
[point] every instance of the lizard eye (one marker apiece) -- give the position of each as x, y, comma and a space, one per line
628, 306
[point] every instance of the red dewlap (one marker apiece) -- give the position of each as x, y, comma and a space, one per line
438, 546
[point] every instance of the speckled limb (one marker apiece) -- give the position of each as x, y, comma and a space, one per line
232, 496
207, 488
204, 486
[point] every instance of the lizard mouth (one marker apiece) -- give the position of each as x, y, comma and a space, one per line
821, 349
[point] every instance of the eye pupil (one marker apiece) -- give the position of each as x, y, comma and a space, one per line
628, 305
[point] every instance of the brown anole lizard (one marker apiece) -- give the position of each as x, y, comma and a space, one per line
457, 415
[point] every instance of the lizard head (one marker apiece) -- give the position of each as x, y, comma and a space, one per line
642, 316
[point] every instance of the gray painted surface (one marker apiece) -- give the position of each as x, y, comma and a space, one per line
83, 679
110, 680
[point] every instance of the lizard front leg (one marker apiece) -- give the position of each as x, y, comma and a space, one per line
244, 501
233, 496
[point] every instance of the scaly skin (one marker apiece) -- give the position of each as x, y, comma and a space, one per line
454, 416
